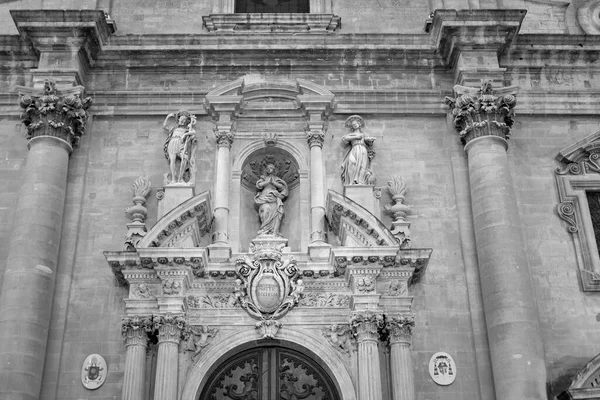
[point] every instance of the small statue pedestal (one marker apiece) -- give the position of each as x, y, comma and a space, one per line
174, 194
269, 243
363, 195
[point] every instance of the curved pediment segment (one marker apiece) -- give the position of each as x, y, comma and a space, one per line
184, 226
354, 225
581, 157
586, 383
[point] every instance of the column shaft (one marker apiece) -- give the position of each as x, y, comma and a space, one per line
508, 295
369, 371
165, 386
317, 188
221, 196
28, 286
134, 379
403, 386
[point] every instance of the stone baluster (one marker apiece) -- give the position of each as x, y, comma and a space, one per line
483, 119
399, 329
366, 328
221, 249
135, 333
315, 140
170, 329
55, 121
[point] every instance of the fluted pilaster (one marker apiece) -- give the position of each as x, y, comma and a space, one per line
135, 334
366, 328
170, 329
399, 329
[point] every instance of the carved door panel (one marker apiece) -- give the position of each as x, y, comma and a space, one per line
269, 373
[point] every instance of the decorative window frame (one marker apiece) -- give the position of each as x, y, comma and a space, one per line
224, 19
580, 173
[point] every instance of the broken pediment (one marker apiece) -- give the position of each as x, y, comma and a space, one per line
182, 227
354, 225
585, 384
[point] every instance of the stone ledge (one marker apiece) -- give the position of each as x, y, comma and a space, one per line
255, 22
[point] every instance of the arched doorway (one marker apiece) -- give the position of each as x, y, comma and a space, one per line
269, 372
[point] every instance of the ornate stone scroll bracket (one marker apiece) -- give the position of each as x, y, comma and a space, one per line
268, 328
483, 112
136, 230
399, 210
268, 284
340, 337
52, 113
578, 183
199, 337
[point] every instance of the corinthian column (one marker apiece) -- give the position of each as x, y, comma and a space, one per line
170, 330
399, 329
315, 140
135, 333
55, 121
366, 329
220, 248
483, 120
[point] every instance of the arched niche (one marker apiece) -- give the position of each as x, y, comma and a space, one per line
291, 167
303, 341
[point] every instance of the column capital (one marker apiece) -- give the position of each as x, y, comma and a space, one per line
53, 113
171, 328
224, 138
483, 112
315, 137
135, 329
366, 326
399, 328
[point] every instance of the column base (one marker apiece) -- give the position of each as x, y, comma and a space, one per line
219, 252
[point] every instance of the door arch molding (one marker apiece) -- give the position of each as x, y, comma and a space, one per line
318, 349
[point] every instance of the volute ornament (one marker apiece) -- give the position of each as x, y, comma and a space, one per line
268, 284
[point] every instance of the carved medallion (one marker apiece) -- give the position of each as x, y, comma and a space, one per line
442, 369
93, 372
268, 285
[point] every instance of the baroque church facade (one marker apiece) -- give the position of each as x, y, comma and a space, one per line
299, 199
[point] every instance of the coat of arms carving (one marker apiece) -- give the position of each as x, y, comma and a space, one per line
93, 372
268, 283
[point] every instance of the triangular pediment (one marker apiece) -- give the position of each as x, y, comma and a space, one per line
354, 225
182, 227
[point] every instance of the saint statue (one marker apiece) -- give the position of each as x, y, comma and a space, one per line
180, 148
272, 190
356, 167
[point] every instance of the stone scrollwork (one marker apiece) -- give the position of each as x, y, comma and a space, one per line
340, 337
588, 17
143, 291
268, 285
480, 112
329, 300
56, 114
268, 328
367, 326
396, 288
566, 212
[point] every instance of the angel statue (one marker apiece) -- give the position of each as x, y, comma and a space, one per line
200, 337
272, 190
356, 167
339, 336
180, 148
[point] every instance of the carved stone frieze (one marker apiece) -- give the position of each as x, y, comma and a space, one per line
268, 284
478, 113
52, 113
364, 284
268, 328
169, 327
138, 213
340, 337
171, 287
329, 300
399, 328
396, 288
222, 300
143, 291
135, 329
366, 326
199, 337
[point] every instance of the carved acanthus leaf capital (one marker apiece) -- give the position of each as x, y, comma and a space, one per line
399, 328
171, 328
478, 113
224, 138
366, 326
135, 329
56, 114
315, 138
